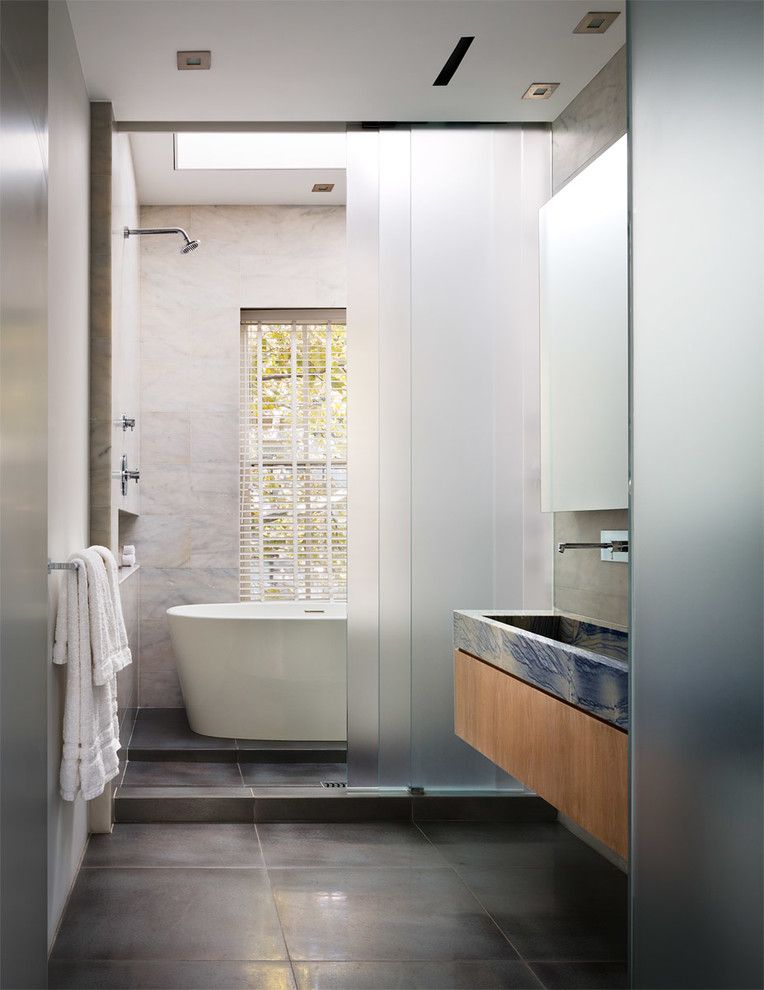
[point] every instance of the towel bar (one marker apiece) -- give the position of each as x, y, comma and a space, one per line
67, 565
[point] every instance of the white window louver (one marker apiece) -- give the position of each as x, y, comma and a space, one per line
293, 455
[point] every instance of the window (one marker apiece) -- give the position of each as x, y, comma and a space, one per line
293, 456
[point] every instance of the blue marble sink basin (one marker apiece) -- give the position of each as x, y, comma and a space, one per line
580, 662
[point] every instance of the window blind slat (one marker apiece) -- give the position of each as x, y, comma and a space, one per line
293, 527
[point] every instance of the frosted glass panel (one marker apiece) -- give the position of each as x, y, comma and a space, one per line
584, 339
698, 310
443, 430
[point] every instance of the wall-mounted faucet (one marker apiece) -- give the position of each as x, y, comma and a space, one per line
126, 422
126, 474
617, 546
614, 546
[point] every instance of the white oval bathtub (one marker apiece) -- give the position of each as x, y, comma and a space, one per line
252, 670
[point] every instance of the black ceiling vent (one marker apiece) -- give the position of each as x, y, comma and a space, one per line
453, 62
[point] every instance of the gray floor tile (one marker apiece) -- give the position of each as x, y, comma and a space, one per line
170, 914
582, 976
168, 728
177, 774
366, 844
181, 845
479, 844
158, 975
377, 914
504, 974
266, 774
553, 914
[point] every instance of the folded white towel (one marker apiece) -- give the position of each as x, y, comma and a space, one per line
91, 729
108, 638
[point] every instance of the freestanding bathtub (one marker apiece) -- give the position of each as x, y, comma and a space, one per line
252, 670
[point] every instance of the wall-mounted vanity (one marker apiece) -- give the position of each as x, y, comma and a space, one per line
545, 694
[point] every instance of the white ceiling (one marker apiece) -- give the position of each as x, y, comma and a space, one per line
160, 185
337, 60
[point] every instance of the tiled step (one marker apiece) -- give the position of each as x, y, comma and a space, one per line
164, 735
317, 804
181, 773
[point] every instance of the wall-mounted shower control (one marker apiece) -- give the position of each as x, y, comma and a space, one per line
127, 474
126, 422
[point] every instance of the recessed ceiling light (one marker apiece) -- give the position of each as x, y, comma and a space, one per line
453, 61
194, 60
322, 187
596, 22
540, 91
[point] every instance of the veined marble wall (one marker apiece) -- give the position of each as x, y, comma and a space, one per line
187, 536
583, 584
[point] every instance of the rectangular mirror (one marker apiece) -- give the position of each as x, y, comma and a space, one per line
583, 247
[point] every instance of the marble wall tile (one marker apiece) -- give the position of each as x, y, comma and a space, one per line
166, 490
128, 677
161, 689
216, 479
100, 138
190, 353
583, 583
215, 540
165, 540
165, 438
215, 438
162, 587
156, 648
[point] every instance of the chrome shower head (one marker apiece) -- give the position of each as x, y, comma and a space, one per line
187, 247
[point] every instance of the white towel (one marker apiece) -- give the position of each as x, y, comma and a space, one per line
91, 728
108, 638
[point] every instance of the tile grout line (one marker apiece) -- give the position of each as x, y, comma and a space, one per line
478, 901
273, 900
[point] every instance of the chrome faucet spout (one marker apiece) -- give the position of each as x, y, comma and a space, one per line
617, 546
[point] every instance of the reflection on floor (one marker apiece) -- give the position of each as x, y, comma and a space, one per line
164, 752
343, 907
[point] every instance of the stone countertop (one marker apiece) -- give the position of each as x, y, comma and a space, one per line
576, 671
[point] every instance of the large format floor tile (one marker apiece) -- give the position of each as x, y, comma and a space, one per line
367, 844
168, 728
551, 914
484, 844
269, 774
141, 974
157, 773
378, 914
582, 975
170, 914
501, 974
176, 845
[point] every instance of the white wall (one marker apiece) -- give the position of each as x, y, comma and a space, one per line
444, 498
68, 222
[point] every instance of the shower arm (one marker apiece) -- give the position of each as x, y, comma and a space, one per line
157, 230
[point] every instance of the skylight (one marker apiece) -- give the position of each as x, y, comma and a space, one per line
271, 150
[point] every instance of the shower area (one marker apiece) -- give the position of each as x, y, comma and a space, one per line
338, 423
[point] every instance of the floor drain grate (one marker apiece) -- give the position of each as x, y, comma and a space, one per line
333, 783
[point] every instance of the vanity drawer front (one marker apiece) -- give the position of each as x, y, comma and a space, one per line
574, 761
